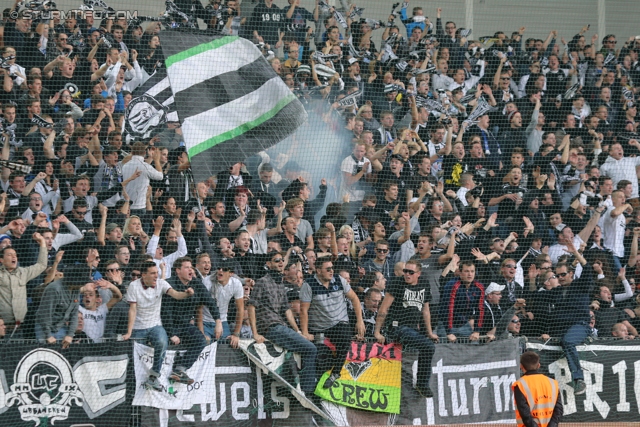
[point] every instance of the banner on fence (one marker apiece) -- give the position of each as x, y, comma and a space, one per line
472, 383
612, 374
83, 384
212, 376
369, 379
97, 384
224, 391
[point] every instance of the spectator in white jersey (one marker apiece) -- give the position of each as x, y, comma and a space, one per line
145, 299
224, 288
93, 311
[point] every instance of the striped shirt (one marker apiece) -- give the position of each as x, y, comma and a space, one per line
328, 306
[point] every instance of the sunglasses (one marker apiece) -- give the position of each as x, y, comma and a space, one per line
329, 268
591, 316
409, 272
561, 274
382, 251
515, 321
278, 260
136, 275
225, 269
550, 278
510, 266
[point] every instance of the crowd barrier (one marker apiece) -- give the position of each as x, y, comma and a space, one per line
100, 385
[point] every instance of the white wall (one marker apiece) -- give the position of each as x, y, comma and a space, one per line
539, 16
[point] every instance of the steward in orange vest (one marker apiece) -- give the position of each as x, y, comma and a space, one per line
537, 396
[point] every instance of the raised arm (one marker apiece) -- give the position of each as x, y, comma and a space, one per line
496, 76
588, 229
100, 236
29, 188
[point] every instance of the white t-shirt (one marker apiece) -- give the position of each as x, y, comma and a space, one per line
608, 203
304, 230
613, 233
148, 302
94, 321
556, 251
350, 166
222, 295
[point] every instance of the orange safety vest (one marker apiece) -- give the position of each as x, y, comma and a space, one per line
541, 393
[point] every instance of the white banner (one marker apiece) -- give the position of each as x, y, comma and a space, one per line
175, 395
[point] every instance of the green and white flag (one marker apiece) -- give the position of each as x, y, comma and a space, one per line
230, 101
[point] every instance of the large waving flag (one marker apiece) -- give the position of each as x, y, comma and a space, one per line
229, 100
150, 108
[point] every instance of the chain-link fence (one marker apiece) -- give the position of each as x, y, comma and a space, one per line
317, 213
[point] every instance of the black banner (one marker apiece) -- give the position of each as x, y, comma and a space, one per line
472, 383
94, 384
612, 374
83, 384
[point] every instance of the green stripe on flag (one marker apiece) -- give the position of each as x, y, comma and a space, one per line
212, 142
196, 50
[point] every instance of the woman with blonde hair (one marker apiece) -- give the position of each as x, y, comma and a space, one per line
366, 114
347, 232
134, 235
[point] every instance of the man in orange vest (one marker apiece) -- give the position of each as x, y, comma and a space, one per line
537, 397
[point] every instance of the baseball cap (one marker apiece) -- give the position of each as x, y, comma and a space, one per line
110, 227
494, 287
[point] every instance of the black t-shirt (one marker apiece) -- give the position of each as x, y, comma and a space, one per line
36, 142
480, 168
220, 230
416, 182
267, 21
556, 83
386, 175
408, 301
453, 169
285, 244
606, 317
58, 81
299, 20
507, 207
384, 208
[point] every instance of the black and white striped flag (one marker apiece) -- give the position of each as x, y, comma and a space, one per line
230, 101
481, 109
150, 108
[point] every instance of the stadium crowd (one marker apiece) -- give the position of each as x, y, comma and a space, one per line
489, 190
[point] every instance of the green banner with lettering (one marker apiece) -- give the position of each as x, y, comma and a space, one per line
369, 380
